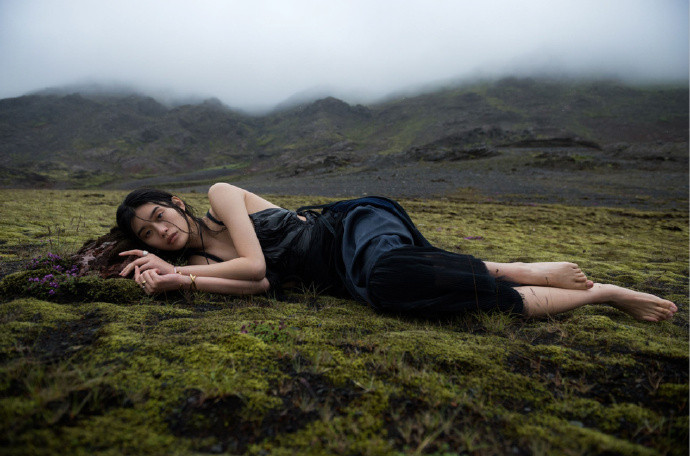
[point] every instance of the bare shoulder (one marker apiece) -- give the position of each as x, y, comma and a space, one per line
222, 193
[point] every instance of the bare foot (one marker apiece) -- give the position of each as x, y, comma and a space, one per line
558, 275
642, 306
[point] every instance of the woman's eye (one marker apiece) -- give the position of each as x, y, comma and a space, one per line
147, 234
160, 215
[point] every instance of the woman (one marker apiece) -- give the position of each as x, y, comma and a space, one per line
367, 248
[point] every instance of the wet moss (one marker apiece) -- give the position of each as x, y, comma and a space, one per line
27, 318
675, 393
36, 311
169, 375
567, 359
600, 331
70, 289
545, 431
91, 288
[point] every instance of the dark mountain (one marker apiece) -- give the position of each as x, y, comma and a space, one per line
79, 140
91, 140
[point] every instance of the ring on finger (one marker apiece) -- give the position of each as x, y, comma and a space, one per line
144, 253
143, 282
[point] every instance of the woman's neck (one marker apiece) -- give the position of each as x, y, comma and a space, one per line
196, 235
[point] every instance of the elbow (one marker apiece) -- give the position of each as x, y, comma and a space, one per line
257, 270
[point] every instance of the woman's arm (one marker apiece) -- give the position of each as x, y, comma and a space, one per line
152, 282
229, 203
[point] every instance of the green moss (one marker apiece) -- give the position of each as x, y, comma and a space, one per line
598, 331
619, 415
87, 288
543, 432
162, 375
92, 288
26, 318
35, 310
576, 409
674, 393
444, 349
567, 360
336, 435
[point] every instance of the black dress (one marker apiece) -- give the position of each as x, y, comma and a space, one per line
369, 249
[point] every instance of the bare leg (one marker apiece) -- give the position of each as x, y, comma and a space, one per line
558, 275
544, 301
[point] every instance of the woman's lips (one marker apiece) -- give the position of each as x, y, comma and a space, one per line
172, 238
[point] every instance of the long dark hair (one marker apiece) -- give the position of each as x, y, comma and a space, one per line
126, 211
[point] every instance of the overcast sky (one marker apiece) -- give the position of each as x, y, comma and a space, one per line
257, 53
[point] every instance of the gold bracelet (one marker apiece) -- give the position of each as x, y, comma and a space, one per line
193, 284
178, 272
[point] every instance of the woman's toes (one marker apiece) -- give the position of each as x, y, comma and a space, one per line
667, 310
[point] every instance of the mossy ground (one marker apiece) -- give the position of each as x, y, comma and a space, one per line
117, 372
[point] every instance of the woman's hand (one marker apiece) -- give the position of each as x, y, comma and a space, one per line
152, 282
145, 262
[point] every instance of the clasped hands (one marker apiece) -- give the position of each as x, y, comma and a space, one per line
151, 272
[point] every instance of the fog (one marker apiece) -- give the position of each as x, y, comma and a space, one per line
254, 54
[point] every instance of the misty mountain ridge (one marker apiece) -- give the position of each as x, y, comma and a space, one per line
103, 138
98, 90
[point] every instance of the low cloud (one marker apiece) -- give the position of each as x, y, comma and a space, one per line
256, 54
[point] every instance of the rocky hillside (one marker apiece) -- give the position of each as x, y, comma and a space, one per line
114, 140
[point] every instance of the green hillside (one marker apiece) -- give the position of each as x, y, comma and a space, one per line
92, 141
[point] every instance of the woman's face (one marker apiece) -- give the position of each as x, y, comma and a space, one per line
160, 226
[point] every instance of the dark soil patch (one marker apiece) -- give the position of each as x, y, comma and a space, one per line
202, 417
69, 410
611, 384
67, 338
306, 397
200, 306
415, 425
